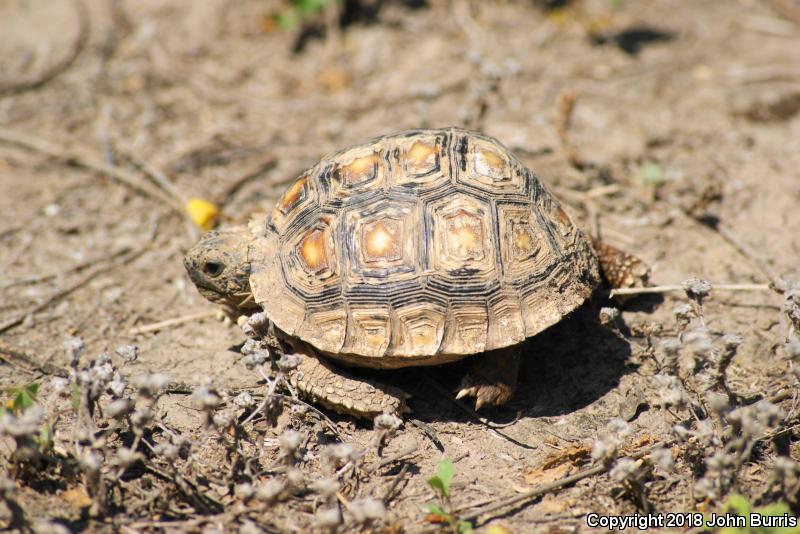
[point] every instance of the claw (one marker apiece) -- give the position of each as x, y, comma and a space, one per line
479, 403
465, 392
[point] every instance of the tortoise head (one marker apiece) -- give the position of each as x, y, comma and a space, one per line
219, 268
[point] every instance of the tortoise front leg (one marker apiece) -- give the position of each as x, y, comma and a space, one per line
322, 382
492, 378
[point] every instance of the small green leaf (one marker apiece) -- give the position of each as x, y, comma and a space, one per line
310, 7
464, 527
652, 174
778, 508
433, 508
288, 20
23, 397
738, 504
444, 471
437, 484
45, 439
76, 397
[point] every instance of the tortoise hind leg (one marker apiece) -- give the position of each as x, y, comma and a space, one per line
619, 268
492, 378
322, 382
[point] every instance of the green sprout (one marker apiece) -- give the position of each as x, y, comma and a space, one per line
299, 11
652, 174
443, 509
738, 505
21, 398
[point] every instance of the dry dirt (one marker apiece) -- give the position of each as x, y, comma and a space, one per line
703, 119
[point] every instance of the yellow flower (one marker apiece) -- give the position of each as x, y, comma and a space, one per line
202, 212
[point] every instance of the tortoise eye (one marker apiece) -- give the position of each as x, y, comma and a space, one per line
213, 268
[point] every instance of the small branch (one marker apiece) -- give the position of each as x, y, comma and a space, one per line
389, 491
162, 182
582, 196
565, 107
158, 177
327, 420
37, 80
411, 449
30, 364
61, 293
189, 488
160, 325
744, 250
429, 432
524, 498
699, 215
263, 166
536, 492
671, 288
74, 269
89, 162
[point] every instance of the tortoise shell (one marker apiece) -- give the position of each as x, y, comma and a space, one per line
418, 248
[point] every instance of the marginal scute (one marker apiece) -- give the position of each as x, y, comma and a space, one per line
505, 324
370, 332
467, 327
267, 283
420, 162
358, 171
538, 313
490, 164
325, 330
420, 330
561, 219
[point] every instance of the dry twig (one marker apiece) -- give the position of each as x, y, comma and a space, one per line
61, 293
265, 165
565, 107
671, 288
87, 161
160, 325
35, 279
525, 498
27, 363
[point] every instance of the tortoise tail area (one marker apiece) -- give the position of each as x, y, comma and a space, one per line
619, 268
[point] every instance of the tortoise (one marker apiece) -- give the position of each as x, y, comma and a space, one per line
413, 249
